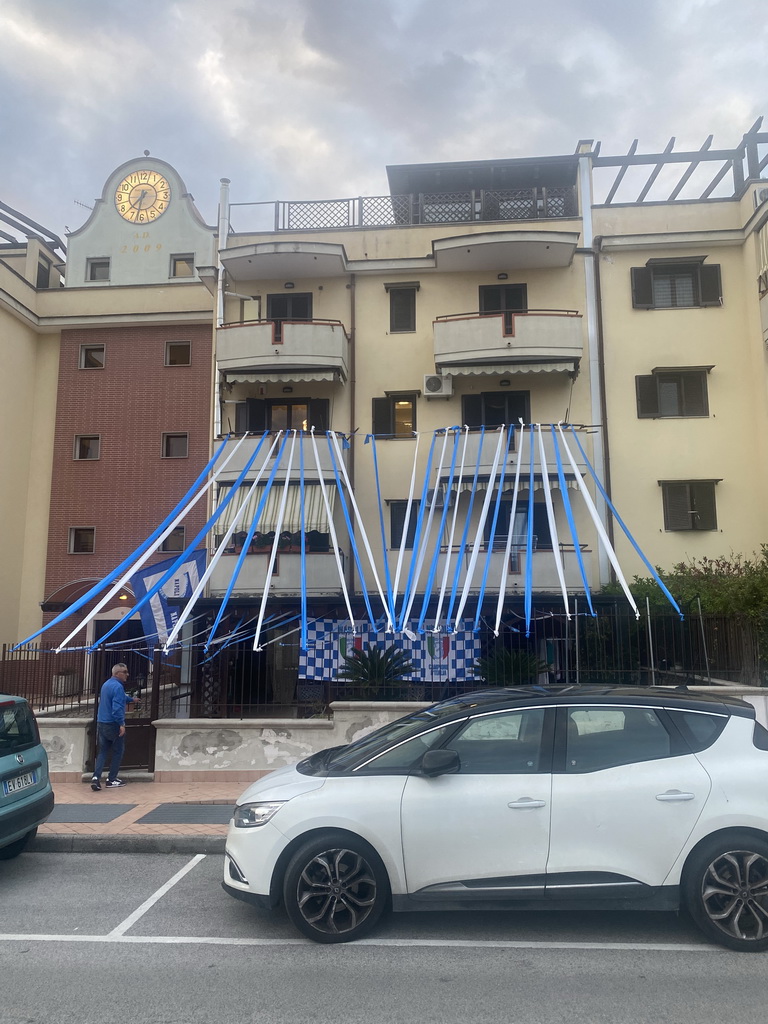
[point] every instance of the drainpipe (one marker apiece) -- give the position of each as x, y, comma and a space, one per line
352, 420
222, 238
596, 368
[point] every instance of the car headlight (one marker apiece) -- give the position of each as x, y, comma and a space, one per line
251, 815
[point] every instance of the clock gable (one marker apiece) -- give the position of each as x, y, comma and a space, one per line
144, 229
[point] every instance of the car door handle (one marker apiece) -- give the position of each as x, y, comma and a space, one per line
674, 796
526, 801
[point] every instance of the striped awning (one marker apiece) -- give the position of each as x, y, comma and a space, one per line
280, 378
315, 514
507, 369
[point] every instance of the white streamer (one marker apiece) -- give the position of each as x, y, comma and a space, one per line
551, 520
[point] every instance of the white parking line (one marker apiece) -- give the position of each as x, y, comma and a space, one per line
148, 904
217, 940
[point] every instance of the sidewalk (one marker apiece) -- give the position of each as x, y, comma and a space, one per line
147, 817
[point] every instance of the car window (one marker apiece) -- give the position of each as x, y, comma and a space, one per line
405, 755
604, 737
17, 728
502, 743
700, 730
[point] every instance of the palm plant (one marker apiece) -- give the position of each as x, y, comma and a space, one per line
505, 667
373, 668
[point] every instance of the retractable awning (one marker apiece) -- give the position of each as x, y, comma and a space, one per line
315, 514
280, 378
506, 369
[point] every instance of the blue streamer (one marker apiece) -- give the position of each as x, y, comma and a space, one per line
387, 577
496, 510
464, 535
127, 562
621, 523
417, 533
303, 570
436, 555
529, 547
569, 517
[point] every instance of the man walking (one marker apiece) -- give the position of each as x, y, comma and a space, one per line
110, 727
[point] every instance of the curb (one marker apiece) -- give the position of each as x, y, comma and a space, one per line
127, 844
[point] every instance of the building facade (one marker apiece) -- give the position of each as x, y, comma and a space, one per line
475, 295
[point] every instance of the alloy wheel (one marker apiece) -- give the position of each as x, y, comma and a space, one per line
734, 894
336, 891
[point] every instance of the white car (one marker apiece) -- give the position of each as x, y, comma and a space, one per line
549, 798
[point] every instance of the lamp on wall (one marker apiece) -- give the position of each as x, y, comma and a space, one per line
502, 277
289, 284
504, 383
287, 391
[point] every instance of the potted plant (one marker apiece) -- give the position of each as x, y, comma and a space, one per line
377, 673
505, 667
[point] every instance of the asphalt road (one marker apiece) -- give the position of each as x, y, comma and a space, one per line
152, 939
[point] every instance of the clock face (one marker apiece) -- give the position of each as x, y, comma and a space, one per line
142, 196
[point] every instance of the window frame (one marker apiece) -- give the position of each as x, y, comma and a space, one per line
177, 530
91, 265
677, 744
397, 510
79, 438
167, 435
700, 492
706, 278
473, 407
84, 349
545, 740
383, 415
178, 343
73, 532
181, 257
398, 292
648, 393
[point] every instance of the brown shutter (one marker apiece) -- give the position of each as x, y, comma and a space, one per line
382, 416
257, 414
677, 506
318, 413
703, 505
642, 291
472, 410
711, 286
647, 396
694, 388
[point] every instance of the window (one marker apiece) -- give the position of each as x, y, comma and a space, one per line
604, 737
262, 414
700, 730
183, 266
175, 446
178, 353
407, 754
494, 408
672, 393
674, 284
505, 298
402, 307
82, 540
288, 306
97, 270
174, 542
689, 504
92, 357
87, 446
542, 537
394, 416
509, 743
397, 510
43, 273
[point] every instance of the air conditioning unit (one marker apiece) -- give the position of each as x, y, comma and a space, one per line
761, 194
437, 385
440, 496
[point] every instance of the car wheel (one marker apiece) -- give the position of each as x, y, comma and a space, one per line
14, 849
335, 888
725, 890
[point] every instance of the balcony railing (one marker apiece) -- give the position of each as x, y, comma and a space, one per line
282, 345
266, 459
537, 335
397, 211
322, 575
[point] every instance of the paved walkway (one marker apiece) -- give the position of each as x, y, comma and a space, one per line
151, 816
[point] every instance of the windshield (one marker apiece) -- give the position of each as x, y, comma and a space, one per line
365, 748
18, 730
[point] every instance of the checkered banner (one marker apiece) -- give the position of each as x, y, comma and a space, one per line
434, 656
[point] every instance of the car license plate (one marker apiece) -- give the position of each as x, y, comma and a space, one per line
20, 782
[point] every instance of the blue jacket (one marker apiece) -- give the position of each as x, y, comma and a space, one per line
112, 701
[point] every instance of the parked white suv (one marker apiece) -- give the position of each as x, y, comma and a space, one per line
550, 798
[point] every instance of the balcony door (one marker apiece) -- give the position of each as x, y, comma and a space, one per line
504, 298
288, 306
496, 408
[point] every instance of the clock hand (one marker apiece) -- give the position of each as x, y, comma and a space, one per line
141, 200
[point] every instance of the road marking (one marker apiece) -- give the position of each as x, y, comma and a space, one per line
148, 904
217, 940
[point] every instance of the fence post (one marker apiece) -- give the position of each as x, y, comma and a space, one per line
703, 639
650, 641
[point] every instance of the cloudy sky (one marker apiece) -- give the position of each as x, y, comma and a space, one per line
305, 99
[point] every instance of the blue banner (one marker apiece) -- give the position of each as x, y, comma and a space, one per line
158, 617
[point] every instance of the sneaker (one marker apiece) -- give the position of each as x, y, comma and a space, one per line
114, 784
95, 783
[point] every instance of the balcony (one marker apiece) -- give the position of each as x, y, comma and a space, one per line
242, 452
486, 456
283, 350
321, 570
474, 343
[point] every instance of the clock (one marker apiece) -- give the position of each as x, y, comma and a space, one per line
142, 196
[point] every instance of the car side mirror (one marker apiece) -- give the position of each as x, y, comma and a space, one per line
439, 762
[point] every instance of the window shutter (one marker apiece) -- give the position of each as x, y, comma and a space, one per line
711, 286
382, 416
402, 309
472, 410
677, 506
642, 292
703, 504
541, 526
647, 396
318, 414
257, 414
694, 388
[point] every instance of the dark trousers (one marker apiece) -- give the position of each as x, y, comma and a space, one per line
110, 744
